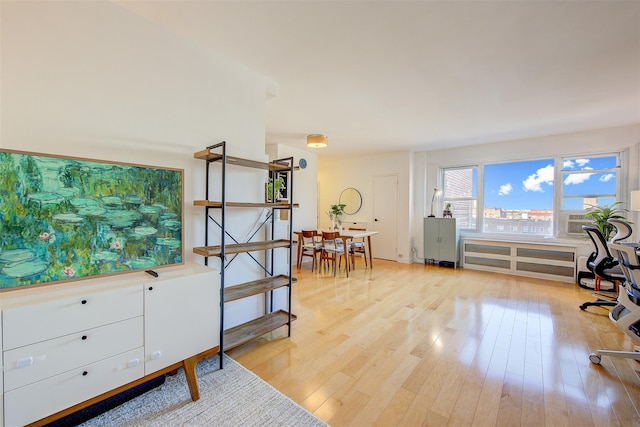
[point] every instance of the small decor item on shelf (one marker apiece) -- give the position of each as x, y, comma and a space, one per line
447, 211
278, 184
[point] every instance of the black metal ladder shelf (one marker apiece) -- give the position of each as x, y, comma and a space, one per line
270, 320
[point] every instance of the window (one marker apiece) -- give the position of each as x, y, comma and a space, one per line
518, 194
589, 181
460, 189
524, 197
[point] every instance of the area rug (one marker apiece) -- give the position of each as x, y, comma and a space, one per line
233, 396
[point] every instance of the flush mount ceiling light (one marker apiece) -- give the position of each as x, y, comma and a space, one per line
317, 141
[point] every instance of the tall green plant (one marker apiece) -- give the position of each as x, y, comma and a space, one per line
600, 214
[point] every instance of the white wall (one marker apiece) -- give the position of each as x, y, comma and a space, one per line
89, 79
334, 175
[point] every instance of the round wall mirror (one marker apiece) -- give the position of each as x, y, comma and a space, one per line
352, 199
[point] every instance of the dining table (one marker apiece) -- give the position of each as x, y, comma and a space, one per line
345, 235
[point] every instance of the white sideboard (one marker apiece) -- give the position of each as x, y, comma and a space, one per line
64, 345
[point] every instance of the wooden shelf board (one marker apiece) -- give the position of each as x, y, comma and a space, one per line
253, 329
217, 204
256, 287
206, 154
237, 248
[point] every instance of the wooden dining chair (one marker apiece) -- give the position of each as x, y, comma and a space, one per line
333, 249
311, 247
358, 246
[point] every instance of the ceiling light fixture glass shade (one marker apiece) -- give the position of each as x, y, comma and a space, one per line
317, 141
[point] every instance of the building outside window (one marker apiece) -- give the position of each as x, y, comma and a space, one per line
460, 189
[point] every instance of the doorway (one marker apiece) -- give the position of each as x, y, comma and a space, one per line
385, 216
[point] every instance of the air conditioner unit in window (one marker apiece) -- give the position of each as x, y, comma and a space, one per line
574, 223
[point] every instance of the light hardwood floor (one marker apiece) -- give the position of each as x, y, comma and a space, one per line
411, 345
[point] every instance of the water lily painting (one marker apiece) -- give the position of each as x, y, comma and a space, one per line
65, 218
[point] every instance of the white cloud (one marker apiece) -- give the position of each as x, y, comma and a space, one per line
505, 189
571, 164
578, 178
607, 177
542, 176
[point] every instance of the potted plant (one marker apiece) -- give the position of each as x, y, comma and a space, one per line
274, 184
600, 214
335, 214
447, 211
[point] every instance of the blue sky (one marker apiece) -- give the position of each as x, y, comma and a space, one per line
529, 184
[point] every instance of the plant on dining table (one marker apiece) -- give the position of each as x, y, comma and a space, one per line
335, 214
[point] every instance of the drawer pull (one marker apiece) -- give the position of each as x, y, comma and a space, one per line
85, 373
23, 363
84, 301
150, 288
84, 337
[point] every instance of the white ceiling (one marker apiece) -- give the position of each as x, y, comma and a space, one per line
394, 75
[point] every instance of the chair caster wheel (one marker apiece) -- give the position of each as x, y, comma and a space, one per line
595, 358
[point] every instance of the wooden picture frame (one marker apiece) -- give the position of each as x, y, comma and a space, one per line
65, 218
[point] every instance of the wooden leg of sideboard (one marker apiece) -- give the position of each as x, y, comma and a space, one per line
190, 372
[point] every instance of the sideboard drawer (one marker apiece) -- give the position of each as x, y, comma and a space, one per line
39, 322
35, 401
26, 365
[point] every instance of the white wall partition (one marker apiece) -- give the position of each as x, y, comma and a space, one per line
90, 79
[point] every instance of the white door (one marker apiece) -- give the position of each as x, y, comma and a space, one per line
385, 208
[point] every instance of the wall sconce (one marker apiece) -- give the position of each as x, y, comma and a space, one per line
436, 193
317, 141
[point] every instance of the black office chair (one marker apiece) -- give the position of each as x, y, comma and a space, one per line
604, 266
